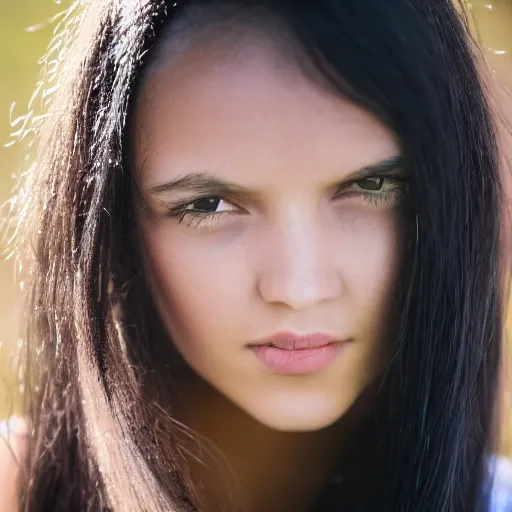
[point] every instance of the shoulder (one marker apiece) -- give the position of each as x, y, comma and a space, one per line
13, 441
501, 494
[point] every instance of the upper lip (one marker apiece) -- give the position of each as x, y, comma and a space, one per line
293, 341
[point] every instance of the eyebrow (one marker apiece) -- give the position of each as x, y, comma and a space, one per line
201, 181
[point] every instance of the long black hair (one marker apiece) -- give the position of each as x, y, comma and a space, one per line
98, 370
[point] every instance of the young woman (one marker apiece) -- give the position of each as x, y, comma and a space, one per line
268, 261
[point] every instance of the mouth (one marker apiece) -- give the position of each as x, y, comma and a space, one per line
291, 354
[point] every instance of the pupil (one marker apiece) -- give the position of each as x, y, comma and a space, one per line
207, 204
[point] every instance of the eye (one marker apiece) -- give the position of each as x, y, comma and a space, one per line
377, 190
374, 183
206, 209
211, 204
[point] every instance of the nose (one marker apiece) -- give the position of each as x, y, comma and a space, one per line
300, 269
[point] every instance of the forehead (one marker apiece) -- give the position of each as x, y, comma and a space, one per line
240, 104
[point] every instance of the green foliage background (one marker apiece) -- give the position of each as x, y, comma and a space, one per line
25, 30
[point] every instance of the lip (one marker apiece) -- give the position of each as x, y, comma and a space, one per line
293, 354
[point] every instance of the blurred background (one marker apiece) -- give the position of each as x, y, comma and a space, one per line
26, 28
25, 31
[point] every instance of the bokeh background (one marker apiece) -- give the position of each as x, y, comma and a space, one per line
26, 28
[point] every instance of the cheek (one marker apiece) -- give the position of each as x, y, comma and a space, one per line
371, 247
372, 252
375, 265
199, 287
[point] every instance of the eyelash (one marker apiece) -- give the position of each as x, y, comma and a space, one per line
195, 218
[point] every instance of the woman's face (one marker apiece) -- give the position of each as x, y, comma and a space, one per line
261, 213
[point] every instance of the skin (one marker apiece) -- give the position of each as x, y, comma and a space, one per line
13, 444
302, 249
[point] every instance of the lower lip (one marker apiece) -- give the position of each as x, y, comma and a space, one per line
296, 362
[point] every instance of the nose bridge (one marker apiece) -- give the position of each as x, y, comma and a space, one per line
298, 270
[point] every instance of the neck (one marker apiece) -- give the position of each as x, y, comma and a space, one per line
258, 468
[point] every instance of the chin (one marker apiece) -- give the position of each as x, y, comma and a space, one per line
300, 415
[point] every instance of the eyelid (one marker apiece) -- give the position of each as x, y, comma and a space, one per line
392, 175
398, 177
